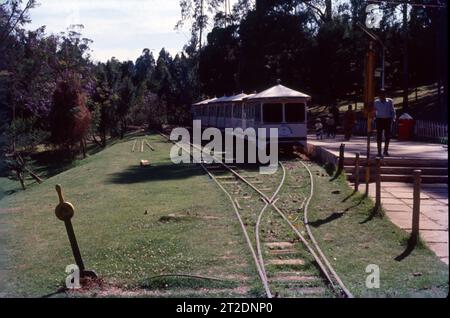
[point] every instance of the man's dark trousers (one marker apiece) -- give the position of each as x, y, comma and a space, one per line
383, 125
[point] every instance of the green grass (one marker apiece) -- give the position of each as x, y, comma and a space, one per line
117, 239
352, 239
190, 228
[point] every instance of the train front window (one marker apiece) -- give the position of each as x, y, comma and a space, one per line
294, 112
273, 113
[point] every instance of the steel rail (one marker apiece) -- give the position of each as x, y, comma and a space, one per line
258, 222
313, 240
270, 202
261, 272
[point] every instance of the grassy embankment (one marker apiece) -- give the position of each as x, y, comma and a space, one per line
352, 239
190, 228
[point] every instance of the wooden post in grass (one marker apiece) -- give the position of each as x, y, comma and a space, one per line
341, 159
356, 173
142, 145
378, 186
150, 146
416, 207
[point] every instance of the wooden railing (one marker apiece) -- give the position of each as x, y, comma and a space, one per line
431, 130
423, 130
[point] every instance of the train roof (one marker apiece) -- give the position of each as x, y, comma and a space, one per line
278, 91
238, 97
275, 92
232, 98
221, 99
206, 101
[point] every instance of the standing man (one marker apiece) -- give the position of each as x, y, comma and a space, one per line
349, 122
385, 116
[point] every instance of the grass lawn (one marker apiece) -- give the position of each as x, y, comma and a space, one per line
189, 227
352, 240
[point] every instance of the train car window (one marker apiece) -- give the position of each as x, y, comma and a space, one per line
294, 112
273, 113
238, 111
257, 113
212, 111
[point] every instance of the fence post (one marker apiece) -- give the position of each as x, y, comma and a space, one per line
416, 207
341, 160
378, 186
356, 173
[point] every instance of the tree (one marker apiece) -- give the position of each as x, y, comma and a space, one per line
70, 118
144, 67
125, 103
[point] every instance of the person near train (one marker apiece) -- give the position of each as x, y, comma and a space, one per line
331, 126
319, 129
349, 122
334, 110
384, 118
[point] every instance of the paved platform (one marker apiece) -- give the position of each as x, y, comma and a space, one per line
397, 197
397, 149
397, 202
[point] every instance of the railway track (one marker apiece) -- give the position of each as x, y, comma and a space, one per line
287, 257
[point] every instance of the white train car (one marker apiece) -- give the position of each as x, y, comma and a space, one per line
200, 111
220, 105
277, 107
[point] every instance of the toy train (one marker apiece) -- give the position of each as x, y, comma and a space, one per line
277, 107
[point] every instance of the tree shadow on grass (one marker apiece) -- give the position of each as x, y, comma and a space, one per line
330, 218
138, 174
349, 196
374, 212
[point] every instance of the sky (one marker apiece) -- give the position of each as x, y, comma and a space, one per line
118, 28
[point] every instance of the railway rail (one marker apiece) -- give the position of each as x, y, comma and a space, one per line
290, 283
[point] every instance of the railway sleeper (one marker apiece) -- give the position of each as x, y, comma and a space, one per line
306, 291
283, 251
279, 245
294, 279
286, 262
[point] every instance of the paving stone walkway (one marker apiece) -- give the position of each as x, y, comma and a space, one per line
397, 149
397, 202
